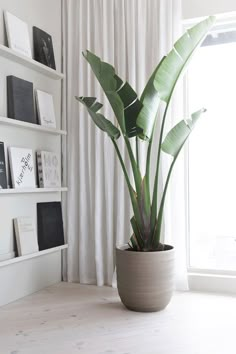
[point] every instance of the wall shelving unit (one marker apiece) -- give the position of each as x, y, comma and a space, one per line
44, 266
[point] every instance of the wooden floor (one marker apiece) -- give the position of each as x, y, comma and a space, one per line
71, 318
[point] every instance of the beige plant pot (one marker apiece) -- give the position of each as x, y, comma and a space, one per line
145, 280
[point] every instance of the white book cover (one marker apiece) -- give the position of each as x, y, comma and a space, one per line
22, 167
45, 109
26, 236
17, 34
49, 169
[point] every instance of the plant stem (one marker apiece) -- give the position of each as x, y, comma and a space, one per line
122, 165
147, 172
156, 236
154, 197
130, 188
137, 151
135, 169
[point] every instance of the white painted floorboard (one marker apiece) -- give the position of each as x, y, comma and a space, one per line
72, 318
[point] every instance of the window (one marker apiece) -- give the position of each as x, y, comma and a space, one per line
211, 83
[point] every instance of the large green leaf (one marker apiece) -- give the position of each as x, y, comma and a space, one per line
123, 99
172, 145
150, 100
174, 64
104, 124
177, 136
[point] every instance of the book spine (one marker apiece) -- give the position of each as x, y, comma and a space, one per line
3, 174
38, 109
10, 99
40, 169
36, 44
13, 182
17, 234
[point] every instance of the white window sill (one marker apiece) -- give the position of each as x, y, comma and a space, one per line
212, 282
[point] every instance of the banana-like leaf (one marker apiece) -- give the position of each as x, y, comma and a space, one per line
104, 124
123, 99
150, 100
177, 136
175, 63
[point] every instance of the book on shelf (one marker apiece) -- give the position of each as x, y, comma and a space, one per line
45, 109
17, 34
3, 174
49, 170
20, 100
26, 236
43, 48
50, 225
21, 167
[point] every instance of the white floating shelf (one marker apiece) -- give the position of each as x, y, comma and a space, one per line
32, 255
29, 63
32, 190
30, 126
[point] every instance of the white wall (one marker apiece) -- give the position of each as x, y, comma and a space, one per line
45, 14
198, 8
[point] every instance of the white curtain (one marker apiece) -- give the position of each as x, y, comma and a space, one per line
133, 35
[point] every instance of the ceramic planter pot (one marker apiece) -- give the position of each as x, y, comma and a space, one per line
145, 280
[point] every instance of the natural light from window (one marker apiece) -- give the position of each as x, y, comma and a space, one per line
212, 154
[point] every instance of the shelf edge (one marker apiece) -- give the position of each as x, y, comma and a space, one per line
33, 255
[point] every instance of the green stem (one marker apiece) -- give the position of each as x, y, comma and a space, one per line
135, 169
123, 166
147, 172
157, 235
137, 151
154, 197
130, 188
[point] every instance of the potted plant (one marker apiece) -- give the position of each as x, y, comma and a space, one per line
145, 266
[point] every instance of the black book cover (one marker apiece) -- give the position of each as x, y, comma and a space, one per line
20, 99
3, 175
50, 225
43, 48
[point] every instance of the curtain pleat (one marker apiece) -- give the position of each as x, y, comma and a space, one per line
133, 35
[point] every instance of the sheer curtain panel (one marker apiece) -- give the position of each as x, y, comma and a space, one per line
133, 35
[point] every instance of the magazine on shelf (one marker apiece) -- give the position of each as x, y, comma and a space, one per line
26, 236
43, 47
17, 34
20, 100
22, 167
45, 109
50, 225
49, 170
